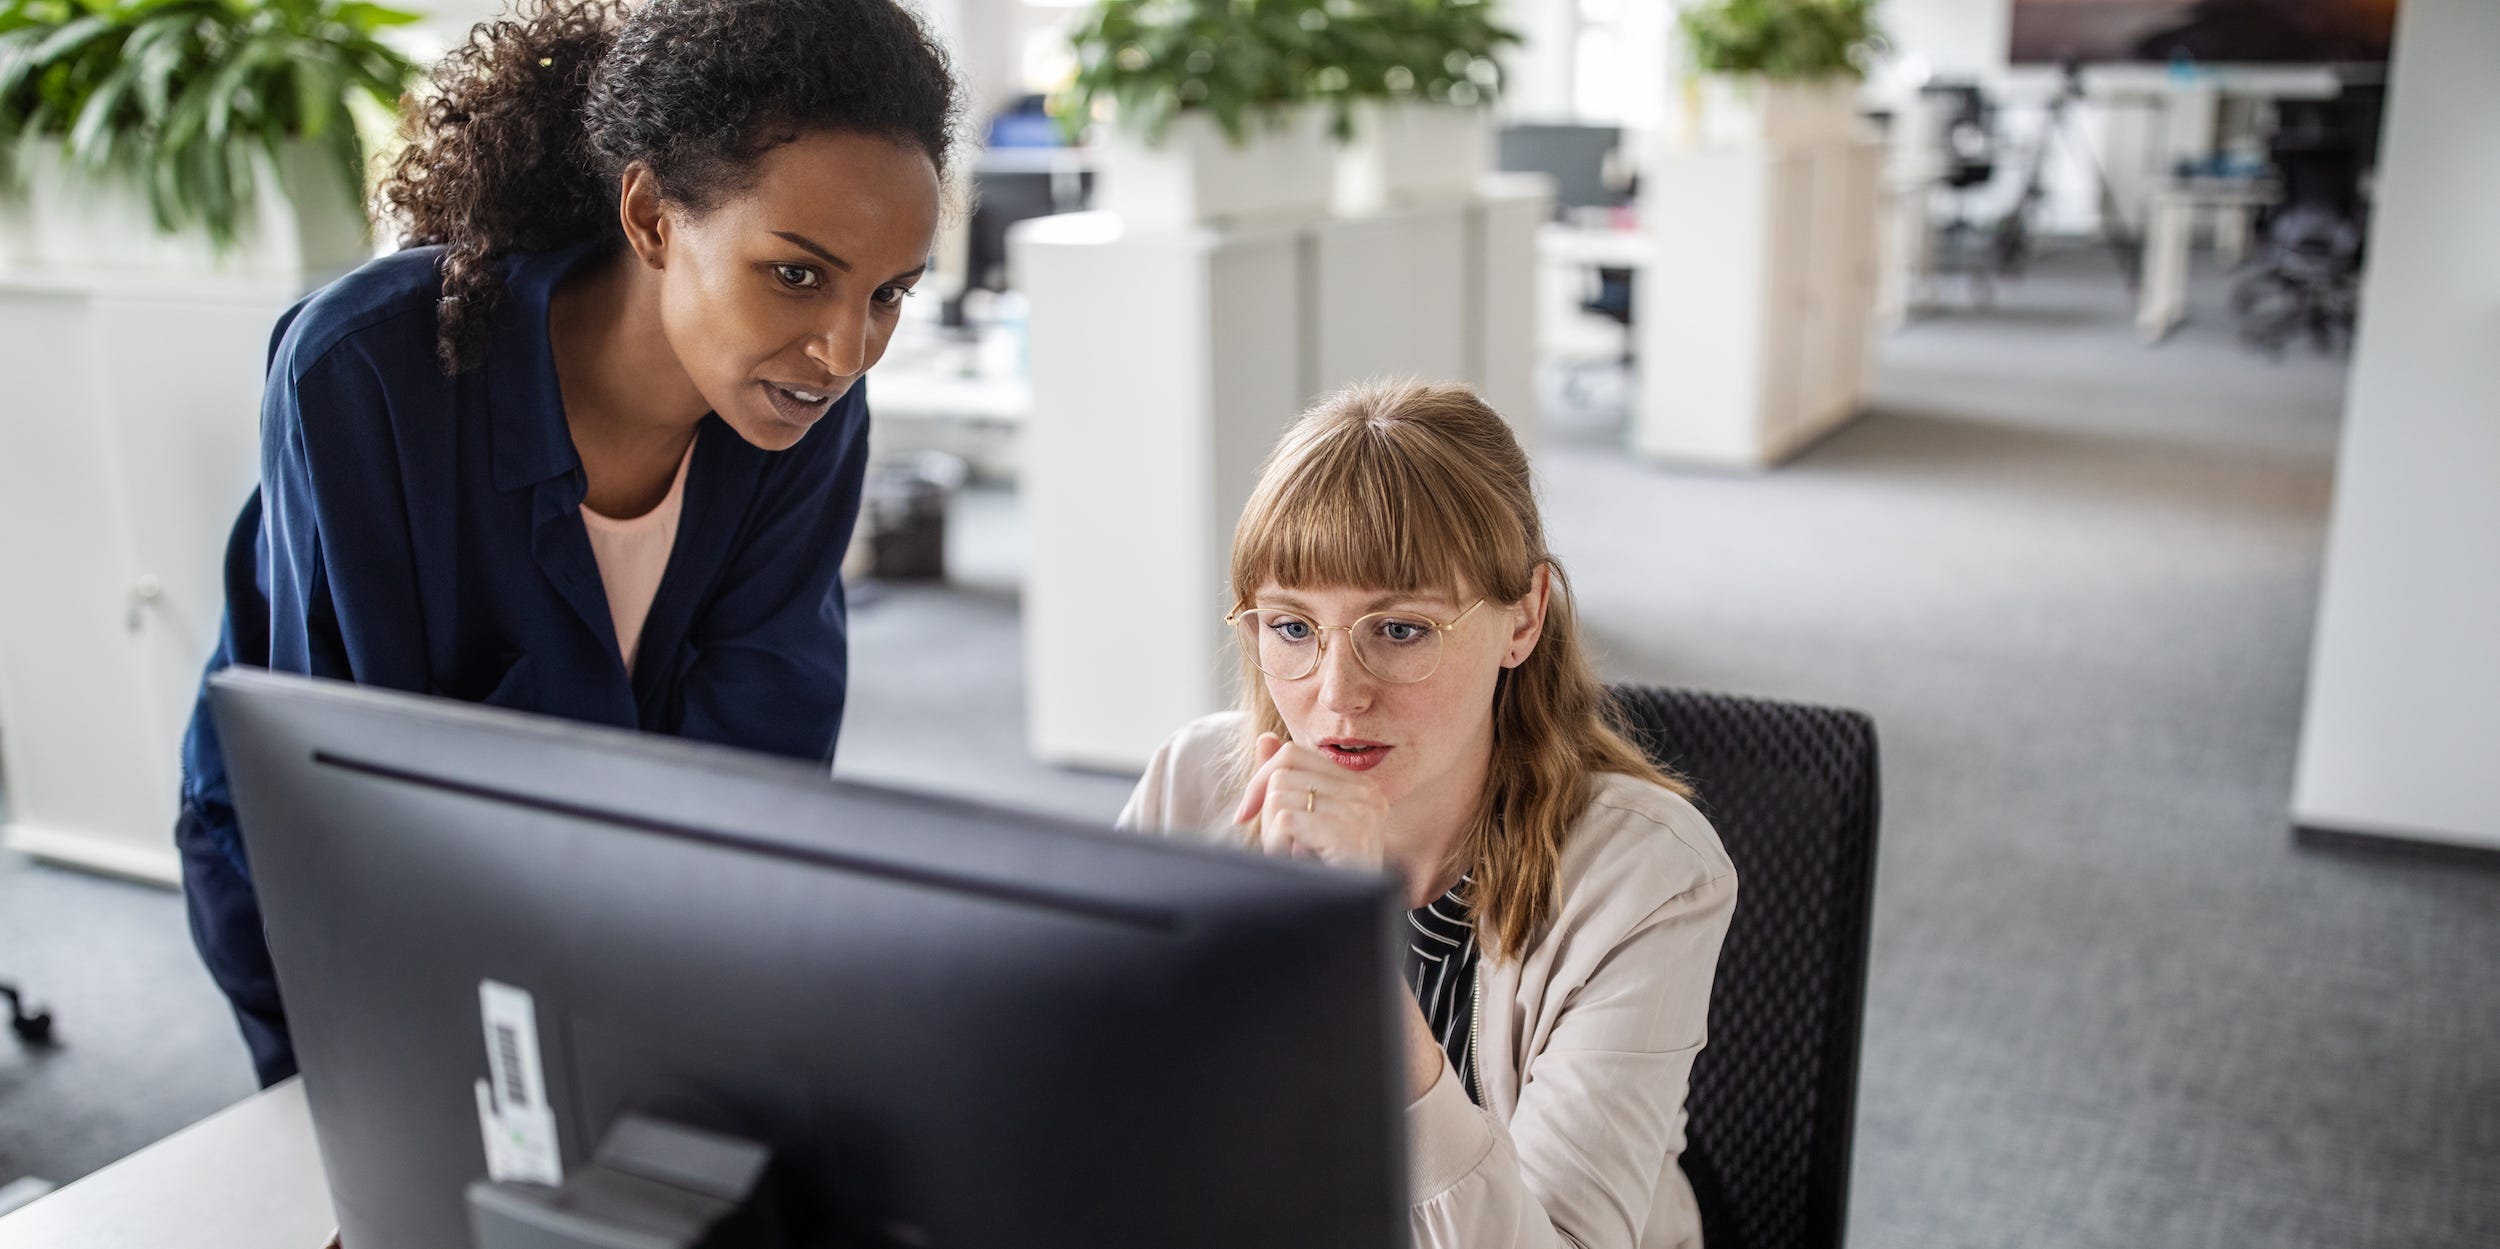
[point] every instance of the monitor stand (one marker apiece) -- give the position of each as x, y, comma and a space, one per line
654, 1184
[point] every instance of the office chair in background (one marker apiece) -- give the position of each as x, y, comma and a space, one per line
2308, 268
1968, 141
32, 1026
1792, 791
1613, 301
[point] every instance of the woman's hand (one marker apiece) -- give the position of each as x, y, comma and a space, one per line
1309, 808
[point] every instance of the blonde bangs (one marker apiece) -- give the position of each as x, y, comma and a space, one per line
1360, 502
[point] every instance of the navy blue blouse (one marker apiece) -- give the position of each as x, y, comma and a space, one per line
421, 532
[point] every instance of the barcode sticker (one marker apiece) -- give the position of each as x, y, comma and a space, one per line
518, 1125
508, 1061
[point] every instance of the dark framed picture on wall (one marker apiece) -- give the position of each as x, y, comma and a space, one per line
2260, 32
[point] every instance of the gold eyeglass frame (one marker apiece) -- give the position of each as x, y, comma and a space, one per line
1232, 620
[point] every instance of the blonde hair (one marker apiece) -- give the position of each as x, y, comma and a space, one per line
1407, 486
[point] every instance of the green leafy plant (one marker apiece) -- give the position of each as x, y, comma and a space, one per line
1244, 61
1442, 51
1792, 39
179, 94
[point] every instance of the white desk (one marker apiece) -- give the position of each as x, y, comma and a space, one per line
1607, 248
2161, 297
247, 1177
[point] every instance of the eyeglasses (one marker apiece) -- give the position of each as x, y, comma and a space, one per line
1399, 647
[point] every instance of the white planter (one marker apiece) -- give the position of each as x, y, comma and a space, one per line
1197, 176
1412, 153
66, 221
1750, 111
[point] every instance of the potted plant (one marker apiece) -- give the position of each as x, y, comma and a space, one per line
1410, 94
1776, 72
196, 134
1206, 108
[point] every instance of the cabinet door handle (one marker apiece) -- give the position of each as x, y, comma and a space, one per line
146, 592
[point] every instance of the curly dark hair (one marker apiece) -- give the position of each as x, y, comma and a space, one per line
520, 139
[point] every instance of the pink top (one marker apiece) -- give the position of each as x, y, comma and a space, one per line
632, 554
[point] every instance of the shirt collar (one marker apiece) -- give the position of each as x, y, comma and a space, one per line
1448, 916
531, 441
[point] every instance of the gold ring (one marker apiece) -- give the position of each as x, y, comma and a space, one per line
1310, 800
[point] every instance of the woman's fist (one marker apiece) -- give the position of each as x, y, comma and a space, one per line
1308, 807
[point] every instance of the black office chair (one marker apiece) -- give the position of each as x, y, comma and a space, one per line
2307, 276
32, 1026
1968, 139
1792, 791
1613, 301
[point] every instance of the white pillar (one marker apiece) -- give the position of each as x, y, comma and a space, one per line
1539, 73
1164, 367
2400, 734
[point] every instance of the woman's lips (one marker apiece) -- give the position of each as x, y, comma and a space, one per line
1355, 756
796, 410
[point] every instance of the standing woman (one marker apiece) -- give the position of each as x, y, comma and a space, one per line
592, 446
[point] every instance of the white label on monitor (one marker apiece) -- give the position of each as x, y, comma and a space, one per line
512, 1111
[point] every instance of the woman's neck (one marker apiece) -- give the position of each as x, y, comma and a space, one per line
1428, 829
630, 408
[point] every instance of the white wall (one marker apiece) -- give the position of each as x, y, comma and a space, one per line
986, 40
1538, 73
985, 37
2403, 728
1949, 38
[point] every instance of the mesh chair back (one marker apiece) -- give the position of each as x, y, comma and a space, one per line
1792, 791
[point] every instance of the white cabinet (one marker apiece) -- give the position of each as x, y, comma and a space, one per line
1165, 364
1387, 296
1754, 314
128, 440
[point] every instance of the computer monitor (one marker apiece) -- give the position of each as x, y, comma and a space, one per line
1573, 156
950, 1025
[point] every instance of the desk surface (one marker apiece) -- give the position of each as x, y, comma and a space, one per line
1623, 249
2219, 192
245, 1176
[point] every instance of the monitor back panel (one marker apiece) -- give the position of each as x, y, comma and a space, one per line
955, 1026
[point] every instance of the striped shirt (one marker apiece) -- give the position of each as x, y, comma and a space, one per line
1441, 969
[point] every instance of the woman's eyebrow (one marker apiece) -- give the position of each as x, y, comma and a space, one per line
1387, 601
813, 246
1381, 603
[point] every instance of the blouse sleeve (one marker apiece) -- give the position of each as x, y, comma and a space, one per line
1600, 1109
340, 567
1183, 793
1144, 812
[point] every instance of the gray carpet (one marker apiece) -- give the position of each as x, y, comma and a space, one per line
2072, 578
146, 1045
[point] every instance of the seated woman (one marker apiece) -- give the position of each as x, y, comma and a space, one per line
1416, 701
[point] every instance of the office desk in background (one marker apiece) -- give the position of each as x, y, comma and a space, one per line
2169, 228
247, 1177
1607, 248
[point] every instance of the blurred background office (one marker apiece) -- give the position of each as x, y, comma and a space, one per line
2102, 394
